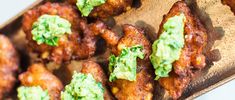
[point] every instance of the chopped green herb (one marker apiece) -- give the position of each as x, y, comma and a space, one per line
124, 66
86, 6
49, 28
83, 87
32, 93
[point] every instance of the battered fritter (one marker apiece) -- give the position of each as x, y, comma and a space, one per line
191, 58
70, 46
142, 88
37, 75
8, 65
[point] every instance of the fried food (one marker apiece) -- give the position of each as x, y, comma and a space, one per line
97, 72
230, 3
37, 75
70, 46
109, 8
142, 88
8, 65
174, 84
191, 58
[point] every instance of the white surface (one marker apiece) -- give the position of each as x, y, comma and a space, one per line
8, 8
225, 92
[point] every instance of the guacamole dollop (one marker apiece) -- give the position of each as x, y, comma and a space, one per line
124, 66
32, 93
167, 48
49, 28
83, 87
86, 6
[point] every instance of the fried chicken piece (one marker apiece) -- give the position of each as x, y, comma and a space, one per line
191, 58
142, 88
70, 46
230, 3
97, 72
109, 8
195, 40
8, 65
37, 75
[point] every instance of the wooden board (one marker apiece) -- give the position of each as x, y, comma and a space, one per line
217, 18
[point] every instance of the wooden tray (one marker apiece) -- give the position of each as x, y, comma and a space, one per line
217, 18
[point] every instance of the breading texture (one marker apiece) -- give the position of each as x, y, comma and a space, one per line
191, 58
109, 8
70, 46
38, 75
142, 88
9, 62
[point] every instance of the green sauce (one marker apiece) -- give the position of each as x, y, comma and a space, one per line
49, 28
86, 6
32, 93
124, 66
83, 87
167, 48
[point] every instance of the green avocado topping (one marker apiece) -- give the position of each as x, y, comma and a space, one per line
49, 28
32, 93
124, 66
83, 87
86, 6
167, 48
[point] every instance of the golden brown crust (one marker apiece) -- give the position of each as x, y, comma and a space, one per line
99, 28
142, 88
8, 65
191, 58
134, 36
174, 84
37, 75
97, 72
109, 8
195, 40
69, 46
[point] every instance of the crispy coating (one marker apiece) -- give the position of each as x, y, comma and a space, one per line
37, 75
230, 3
195, 40
174, 84
97, 72
8, 65
109, 8
70, 46
191, 58
142, 88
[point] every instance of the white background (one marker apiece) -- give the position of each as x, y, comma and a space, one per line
9, 8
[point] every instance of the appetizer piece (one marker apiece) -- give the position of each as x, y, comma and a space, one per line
130, 78
102, 8
8, 65
90, 67
39, 84
177, 53
53, 30
230, 3
89, 84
